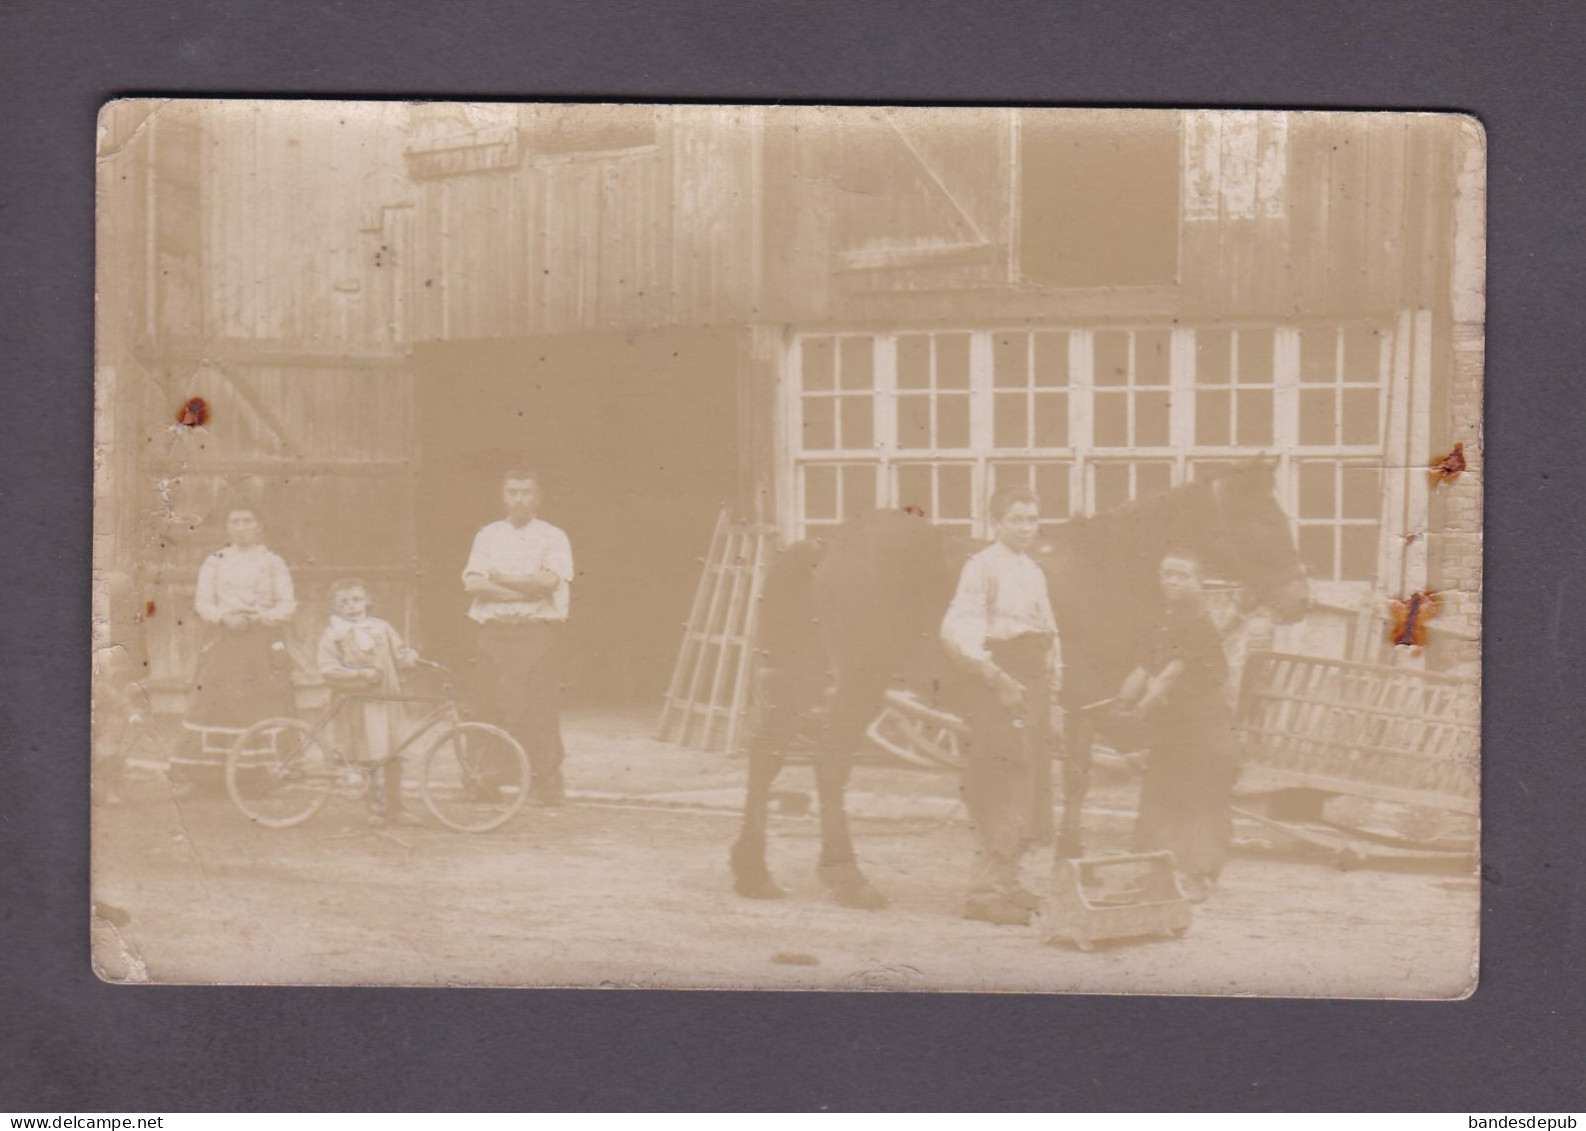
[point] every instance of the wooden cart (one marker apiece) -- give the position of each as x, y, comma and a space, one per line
917, 734
1313, 729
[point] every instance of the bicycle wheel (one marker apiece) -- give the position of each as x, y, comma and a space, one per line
476, 778
277, 773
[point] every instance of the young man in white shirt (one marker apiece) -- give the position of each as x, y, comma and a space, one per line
519, 574
1001, 629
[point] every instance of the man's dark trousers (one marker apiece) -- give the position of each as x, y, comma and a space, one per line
521, 691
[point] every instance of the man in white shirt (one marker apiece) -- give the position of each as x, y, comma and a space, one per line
519, 574
1001, 629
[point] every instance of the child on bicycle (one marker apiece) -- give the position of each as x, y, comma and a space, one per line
363, 655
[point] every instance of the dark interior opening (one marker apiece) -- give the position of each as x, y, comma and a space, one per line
631, 435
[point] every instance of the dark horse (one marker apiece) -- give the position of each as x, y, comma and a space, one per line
863, 607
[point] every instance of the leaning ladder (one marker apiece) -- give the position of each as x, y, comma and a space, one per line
708, 699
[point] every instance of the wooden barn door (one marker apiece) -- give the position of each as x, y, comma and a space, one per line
318, 446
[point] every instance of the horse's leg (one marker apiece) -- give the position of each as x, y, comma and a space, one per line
1079, 734
772, 733
854, 706
751, 877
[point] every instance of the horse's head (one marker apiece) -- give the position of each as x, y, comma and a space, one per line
1250, 540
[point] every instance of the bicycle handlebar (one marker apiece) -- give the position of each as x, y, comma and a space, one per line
447, 679
372, 695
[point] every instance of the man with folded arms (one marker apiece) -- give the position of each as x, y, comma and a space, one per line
519, 575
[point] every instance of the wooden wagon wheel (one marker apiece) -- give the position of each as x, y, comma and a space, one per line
917, 734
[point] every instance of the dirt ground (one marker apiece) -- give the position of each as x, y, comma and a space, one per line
628, 886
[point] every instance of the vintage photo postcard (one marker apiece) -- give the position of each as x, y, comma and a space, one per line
765, 547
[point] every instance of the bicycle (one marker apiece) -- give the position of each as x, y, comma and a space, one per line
475, 777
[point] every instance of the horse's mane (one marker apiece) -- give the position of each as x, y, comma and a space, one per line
1178, 518
1130, 539
1145, 513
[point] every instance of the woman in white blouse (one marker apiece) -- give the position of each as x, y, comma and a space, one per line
245, 598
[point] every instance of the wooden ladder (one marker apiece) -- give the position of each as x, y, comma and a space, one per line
708, 699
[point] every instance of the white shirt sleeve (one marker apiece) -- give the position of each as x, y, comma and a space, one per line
969, 616
559, 558
206, 599
478, 559
285, 600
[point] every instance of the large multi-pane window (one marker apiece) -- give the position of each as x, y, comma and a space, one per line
1030, 418
1091, 418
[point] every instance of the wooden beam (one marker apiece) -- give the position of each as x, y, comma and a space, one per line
263, 411
281, 468
915, 255
188, 352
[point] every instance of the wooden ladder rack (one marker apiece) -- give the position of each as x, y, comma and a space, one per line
708, 699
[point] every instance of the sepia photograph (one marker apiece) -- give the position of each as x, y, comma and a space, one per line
977, 549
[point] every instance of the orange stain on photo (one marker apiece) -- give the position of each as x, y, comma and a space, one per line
193, 413
1410, 616
1447, 469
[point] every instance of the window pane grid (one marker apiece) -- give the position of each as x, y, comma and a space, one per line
1336, 518
1114, 482
1132, 394
943, 492
932, 393
938, 419
1030, 391
837, 394
1342, 388
831, 493
1235, 389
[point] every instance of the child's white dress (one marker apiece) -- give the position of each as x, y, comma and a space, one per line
372, 729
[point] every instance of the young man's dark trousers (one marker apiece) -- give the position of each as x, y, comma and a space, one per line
1005, 783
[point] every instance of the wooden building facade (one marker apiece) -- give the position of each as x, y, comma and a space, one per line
803, 312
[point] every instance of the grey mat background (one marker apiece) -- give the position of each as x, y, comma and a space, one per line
68, 1043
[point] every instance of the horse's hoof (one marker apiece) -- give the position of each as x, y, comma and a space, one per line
750, 877
758, 887
851, 889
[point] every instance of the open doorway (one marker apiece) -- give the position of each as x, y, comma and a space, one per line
635, 439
